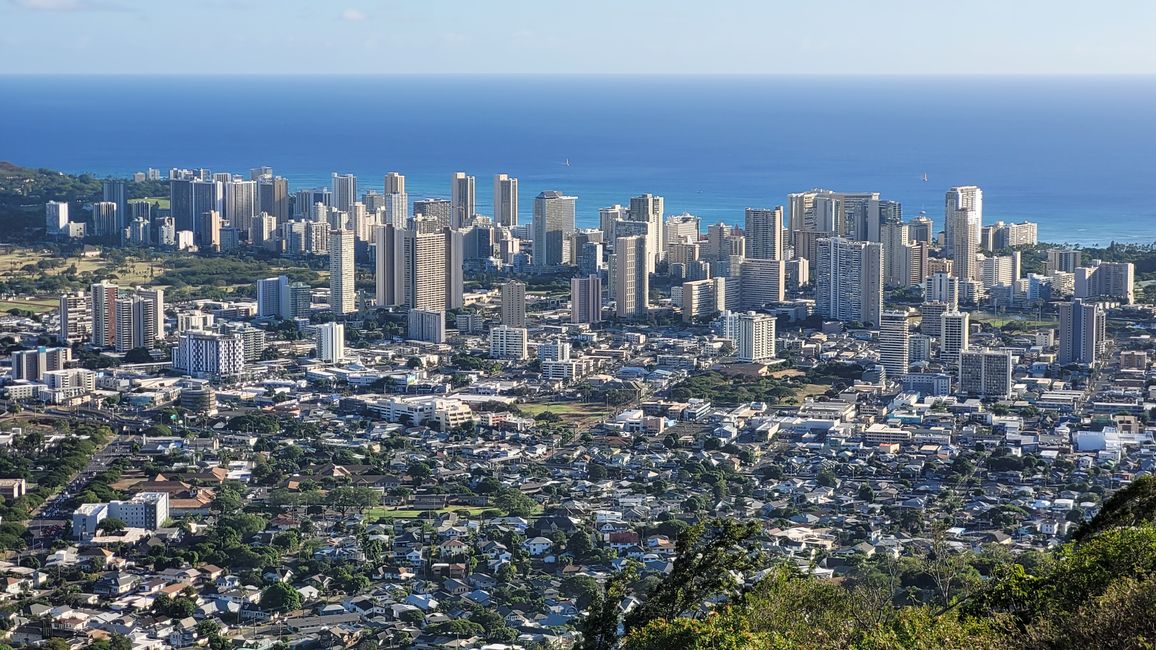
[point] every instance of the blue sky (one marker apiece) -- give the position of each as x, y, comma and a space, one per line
578, 36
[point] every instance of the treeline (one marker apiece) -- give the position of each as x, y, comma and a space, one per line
46, 468
221, 272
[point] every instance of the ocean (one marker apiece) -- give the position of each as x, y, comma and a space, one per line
1075, 154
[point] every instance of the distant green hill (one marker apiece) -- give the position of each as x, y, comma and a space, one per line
24, 191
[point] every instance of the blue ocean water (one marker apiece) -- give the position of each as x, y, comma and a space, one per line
1076, 154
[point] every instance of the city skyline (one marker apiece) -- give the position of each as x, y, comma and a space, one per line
746, 37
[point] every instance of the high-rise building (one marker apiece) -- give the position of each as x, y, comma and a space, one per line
998, 270
305, 202
753, 335
1010, 235
139, 316
514, 304
505, 200
430, 268
344, 191
75, 317
105, 220
631, 281
429, 326
273, 198
849, 283
208, 231
554, 220
1114, 280
181, 202
394, 183
424, 271
966, 244
586, 299
55, 217
279, 298
919, 348
764, 231
509, 342
962, 209
955, 330
932, 318
607, 217
439, 209
894, 237
681, 230
647, 208
1082, 332
922, 229
113, 191
32, 364
240, 203
985, 373
102, 300
942, 287
207, 196
894, 343
762, 282
396, 212
703, 299
331, 342
462, 200
389, 249
210, 355
342, 288
1062, 259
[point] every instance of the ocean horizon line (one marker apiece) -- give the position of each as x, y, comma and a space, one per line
604, 75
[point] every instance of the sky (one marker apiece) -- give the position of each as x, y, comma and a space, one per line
846, 37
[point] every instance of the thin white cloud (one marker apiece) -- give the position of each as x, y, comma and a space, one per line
353, 15
64, 5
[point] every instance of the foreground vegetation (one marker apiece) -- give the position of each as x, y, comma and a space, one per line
1097, 591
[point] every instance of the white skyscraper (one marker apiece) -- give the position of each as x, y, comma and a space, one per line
344, 191
514, 304
647, 208
331, 342
942, 287
462, 199
963, 199
762, 282
505, 200
753, 335
703, 299
55, 217
630, 278
509, 342
342, 290
849, 281
75, 317
209, 355
396, 201
894, 346
554, 219
955, 332
965, 247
